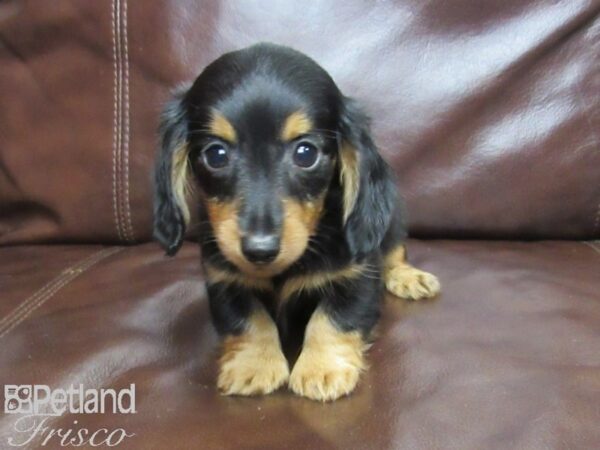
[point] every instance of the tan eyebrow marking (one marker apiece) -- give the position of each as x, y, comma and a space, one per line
221, 127
296, 124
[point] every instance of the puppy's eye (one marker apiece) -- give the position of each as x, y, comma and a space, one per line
306, 155
215, 156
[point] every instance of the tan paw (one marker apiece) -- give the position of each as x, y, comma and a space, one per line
410, 283
323, 379
331, 360
252, 371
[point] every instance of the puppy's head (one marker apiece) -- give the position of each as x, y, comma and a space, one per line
266, 135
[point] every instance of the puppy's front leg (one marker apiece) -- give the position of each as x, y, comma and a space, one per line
335, 341
252, 362
331, 360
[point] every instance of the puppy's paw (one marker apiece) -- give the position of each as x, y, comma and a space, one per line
410, 283
324, 379
251, 370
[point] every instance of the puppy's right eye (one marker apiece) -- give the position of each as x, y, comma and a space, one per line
215, 156
306, 155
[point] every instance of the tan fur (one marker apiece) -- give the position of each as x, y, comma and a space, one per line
330, 363
295, 125
318, 279
180, 176
349, 177
299, 222
221, 127
406, 281
216, 275
223, 217
253, 363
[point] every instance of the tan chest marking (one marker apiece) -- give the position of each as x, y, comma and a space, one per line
318, 280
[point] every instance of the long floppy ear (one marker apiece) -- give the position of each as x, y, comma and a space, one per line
368, 188
171, 176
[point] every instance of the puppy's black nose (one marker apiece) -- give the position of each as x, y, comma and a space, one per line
260, 248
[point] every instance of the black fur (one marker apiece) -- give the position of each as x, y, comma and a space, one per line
377, 195
169, 225
256, 88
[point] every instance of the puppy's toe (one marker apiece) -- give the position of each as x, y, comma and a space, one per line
252, 372
411, 283
323, 380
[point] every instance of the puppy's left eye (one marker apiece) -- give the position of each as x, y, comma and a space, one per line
306, 155
216, 156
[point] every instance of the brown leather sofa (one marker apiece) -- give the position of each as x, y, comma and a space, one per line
488, 111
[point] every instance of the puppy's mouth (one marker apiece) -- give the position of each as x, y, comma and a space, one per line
260, 261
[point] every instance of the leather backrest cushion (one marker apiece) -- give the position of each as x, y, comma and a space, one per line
487, 111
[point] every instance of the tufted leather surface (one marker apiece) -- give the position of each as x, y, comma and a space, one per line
507, 357
487, 112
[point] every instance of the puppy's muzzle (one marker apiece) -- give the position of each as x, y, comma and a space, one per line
260, 248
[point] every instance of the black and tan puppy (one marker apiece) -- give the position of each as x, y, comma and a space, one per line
300, 225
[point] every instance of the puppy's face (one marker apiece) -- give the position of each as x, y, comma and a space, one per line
263, 163
264, 170
264, 133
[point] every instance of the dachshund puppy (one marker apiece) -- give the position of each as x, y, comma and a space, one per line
300, 225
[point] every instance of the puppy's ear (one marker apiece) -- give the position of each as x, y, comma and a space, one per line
171, 176
368, 187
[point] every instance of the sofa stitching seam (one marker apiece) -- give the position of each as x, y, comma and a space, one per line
48, 287
25, 308
116, 120
592, 245
126, 131
119, 157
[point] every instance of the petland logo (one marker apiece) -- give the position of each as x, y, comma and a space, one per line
38, 403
